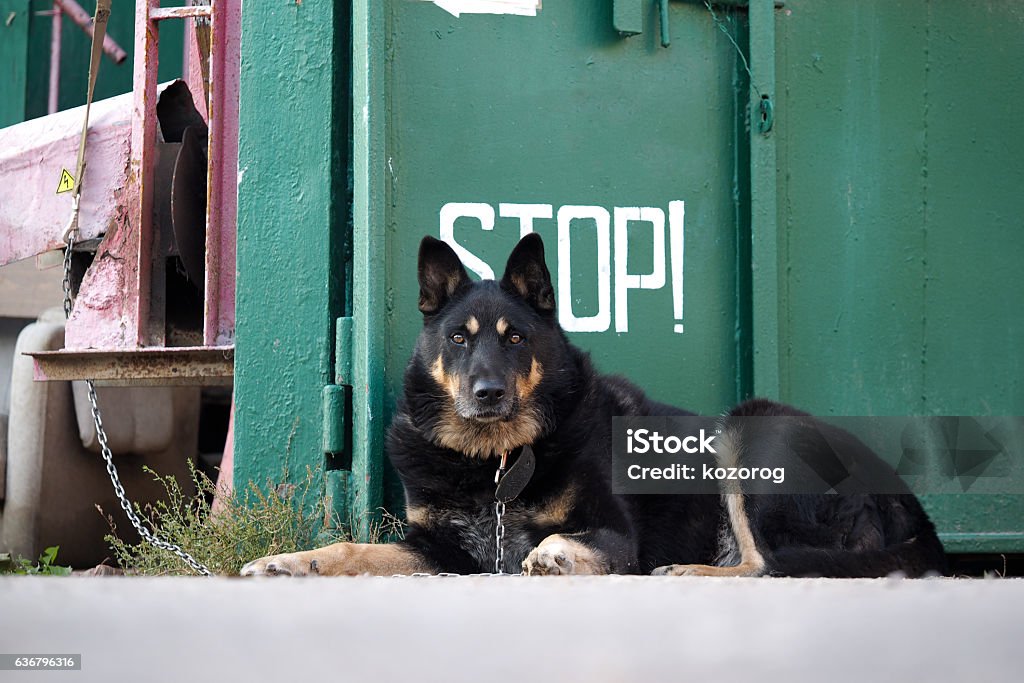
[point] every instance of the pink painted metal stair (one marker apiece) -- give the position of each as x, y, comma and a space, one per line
111, 335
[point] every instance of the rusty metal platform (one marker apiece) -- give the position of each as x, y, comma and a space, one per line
183, 366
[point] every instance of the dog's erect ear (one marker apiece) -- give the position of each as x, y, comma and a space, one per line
441, 275
527, 275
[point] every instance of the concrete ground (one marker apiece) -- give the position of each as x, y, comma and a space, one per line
516, 629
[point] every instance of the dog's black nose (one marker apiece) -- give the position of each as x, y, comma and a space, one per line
489, 391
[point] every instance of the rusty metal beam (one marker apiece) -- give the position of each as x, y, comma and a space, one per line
182, 366
161, 13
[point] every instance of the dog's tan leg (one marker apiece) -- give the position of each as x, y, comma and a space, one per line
751, 561
342, 559
558, 554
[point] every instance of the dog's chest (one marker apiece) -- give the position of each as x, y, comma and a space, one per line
476, 530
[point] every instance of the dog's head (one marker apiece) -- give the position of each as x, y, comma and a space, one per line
490, 350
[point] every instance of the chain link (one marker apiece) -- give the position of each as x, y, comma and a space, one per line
499, 557
101, 435
449, 574
499, 538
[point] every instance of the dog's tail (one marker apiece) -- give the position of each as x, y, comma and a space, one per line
918, 556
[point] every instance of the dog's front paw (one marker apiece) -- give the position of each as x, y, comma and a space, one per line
289, 564
558, 554
550, 558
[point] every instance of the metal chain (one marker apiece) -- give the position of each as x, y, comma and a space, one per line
451, 575
101, 435
499, 557
70, 239
499, 537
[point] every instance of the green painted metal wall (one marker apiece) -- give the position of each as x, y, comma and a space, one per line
14, 25
858, 258
292, 231
564, 111
902, 220
25, 57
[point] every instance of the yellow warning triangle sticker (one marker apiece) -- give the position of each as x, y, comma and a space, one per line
67, 181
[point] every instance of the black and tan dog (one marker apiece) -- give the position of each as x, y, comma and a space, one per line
492, 373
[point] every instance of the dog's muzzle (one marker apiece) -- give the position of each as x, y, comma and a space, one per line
488, 392
490, 401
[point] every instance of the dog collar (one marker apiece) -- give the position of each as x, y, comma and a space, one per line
512, 482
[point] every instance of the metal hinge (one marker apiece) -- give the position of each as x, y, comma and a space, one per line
337, 396
337, 428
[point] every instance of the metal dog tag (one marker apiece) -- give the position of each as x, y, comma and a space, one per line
517, 477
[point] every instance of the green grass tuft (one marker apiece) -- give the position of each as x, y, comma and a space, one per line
252, 523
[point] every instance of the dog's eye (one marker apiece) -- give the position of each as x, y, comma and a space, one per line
515, 338
458, 339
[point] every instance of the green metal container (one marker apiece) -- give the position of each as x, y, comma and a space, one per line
818, 203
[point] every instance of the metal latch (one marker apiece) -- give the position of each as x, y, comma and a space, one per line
628, 16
